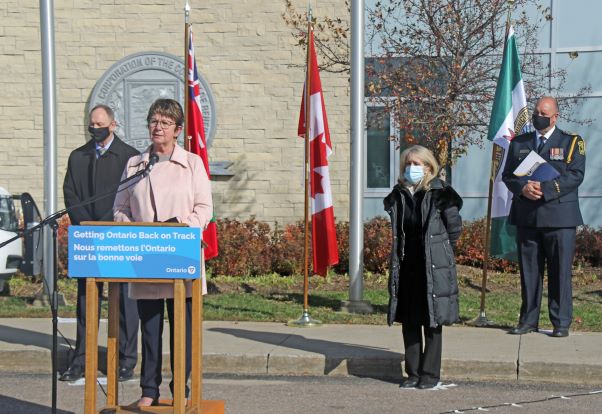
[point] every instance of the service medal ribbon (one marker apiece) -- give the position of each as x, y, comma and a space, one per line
556, 154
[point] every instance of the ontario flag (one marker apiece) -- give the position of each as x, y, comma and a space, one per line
195, 129
323, 230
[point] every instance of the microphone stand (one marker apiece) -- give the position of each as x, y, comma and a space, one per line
54, 309
52, 221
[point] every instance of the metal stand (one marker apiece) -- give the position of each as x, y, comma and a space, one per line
54, 308
305, 321
481, 321
51, 220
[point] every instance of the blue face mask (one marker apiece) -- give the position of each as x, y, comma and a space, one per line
413, 173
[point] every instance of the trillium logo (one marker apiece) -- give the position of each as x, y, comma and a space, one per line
191, 270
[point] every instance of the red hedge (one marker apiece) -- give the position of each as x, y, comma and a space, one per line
589, 246
245, 248
251, 248
470, 249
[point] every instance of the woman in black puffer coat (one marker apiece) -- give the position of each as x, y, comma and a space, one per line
423, 286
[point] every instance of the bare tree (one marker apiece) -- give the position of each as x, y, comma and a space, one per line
436, 64
331, 35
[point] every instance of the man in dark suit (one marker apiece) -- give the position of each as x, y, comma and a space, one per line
546, 215
95, 168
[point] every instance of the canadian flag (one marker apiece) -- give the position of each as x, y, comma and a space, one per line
323, 230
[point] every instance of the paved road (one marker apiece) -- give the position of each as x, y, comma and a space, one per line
30, 393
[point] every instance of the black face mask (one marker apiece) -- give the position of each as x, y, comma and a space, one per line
540, 122
99, 134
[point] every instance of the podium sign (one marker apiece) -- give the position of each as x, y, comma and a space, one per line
145, 252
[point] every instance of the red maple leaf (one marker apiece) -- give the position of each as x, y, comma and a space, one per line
316, 184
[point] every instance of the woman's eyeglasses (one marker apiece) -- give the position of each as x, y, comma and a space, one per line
162, 123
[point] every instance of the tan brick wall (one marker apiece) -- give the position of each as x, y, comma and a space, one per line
244, 50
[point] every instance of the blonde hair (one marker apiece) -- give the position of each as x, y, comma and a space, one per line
428, 159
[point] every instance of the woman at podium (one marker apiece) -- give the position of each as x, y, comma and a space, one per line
174, 189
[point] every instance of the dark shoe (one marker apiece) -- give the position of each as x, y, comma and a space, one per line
411, 382
522, 329
126, 374
425, 385
560, 333
73, 373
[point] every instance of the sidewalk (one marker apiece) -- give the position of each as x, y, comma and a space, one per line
360, 350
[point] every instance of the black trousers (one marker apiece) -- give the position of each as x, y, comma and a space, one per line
422, 359
152, 313
128, 326
556, 247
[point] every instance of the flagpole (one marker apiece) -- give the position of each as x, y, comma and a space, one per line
50, 141
496, 153
306, 169
187, 138
196, 387
305, 320
482, 319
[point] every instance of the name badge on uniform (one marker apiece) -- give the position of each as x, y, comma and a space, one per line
556, 154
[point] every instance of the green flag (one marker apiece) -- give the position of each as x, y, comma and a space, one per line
509, 117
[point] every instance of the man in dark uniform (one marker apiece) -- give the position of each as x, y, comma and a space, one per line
95, 168
546, 215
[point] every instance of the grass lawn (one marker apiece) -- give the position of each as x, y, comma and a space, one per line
279, 299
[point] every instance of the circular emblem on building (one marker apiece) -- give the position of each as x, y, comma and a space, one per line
131, 85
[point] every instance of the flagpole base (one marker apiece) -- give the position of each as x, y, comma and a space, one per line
481, 321
305, 321
356, 306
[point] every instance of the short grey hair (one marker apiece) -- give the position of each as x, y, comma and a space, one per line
107, 109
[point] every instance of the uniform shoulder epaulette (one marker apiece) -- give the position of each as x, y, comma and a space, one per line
576, 141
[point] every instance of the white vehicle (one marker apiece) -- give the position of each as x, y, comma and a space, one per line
11, 254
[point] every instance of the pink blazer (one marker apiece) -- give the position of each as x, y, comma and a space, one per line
176, 188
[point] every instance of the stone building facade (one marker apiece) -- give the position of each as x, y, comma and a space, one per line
244, 50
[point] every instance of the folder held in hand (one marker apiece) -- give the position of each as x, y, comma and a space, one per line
535, 168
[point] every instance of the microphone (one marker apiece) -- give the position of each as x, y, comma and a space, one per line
152, 160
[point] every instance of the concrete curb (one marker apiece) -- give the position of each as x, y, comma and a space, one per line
37, 362
474, 354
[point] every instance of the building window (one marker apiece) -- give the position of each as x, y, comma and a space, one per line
380, 150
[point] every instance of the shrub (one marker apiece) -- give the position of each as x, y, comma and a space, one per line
589, 246
343, 243
63, 245
287, 249
470, 249
244, 248
251, 248
377, 245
